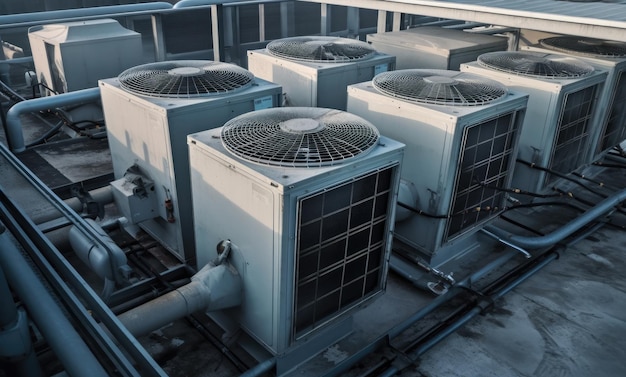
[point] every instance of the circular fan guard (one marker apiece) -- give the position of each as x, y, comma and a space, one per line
585, 46
299, 136
439, 87
548, 66
320, 49
185, 78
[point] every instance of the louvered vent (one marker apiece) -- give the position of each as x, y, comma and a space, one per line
320, 49
299, 136
535, 64
185, 79
585, 46
439, 87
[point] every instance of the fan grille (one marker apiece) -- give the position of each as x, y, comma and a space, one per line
320, 49
185, 78
548, 66
439, 87
299, 136
585, 46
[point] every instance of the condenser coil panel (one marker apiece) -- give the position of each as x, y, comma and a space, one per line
435, 47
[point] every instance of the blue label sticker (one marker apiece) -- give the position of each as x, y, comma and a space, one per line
263, 103
380, 68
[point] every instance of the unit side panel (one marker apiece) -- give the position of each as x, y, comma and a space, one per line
299, 82
230, 205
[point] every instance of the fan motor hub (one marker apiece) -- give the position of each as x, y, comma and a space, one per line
301, 126
440, 80
185, 71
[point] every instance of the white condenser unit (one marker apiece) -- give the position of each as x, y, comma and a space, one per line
149, 110
430, 47
604, 55
315, 71
308, 197
461, 133
75, 55
563, 93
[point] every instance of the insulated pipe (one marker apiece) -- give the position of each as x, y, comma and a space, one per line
196, 3
393, 370
212, 288
15, 137
260, 368
108, 262
7, 21
66, 343
566, 230
15, 344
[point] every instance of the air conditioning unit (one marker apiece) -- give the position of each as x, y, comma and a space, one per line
308, 196
603, 55
563, 93
461, 133
75, 55
149, 110
430, 47
315, 71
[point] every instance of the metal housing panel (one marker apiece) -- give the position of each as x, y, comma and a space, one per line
151, 133
434, 135
75, 55
434, 47
316, 84
257, 208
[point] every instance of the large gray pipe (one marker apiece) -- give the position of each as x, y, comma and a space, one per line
15, 343
212, 288
10, 20
15, 136
66, 343
108, 262
566, 230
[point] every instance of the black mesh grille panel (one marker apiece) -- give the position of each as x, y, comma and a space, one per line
615, 129
340, 248
485, 160
572, 139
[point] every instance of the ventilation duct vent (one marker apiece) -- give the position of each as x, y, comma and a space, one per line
185, 79
547, 66
439, 87
585, 46
321, 49
299, 136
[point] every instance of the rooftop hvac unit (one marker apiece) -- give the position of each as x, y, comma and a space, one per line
435, 47
315, 71
460, 132
563, 92
308, 197
149, 110
611, 57
75, 55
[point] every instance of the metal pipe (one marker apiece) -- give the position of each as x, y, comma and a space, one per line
66, 343
108, 262
15, 137
566, 230
13, 20
260, 368
549, 257
212, 288
15, 343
